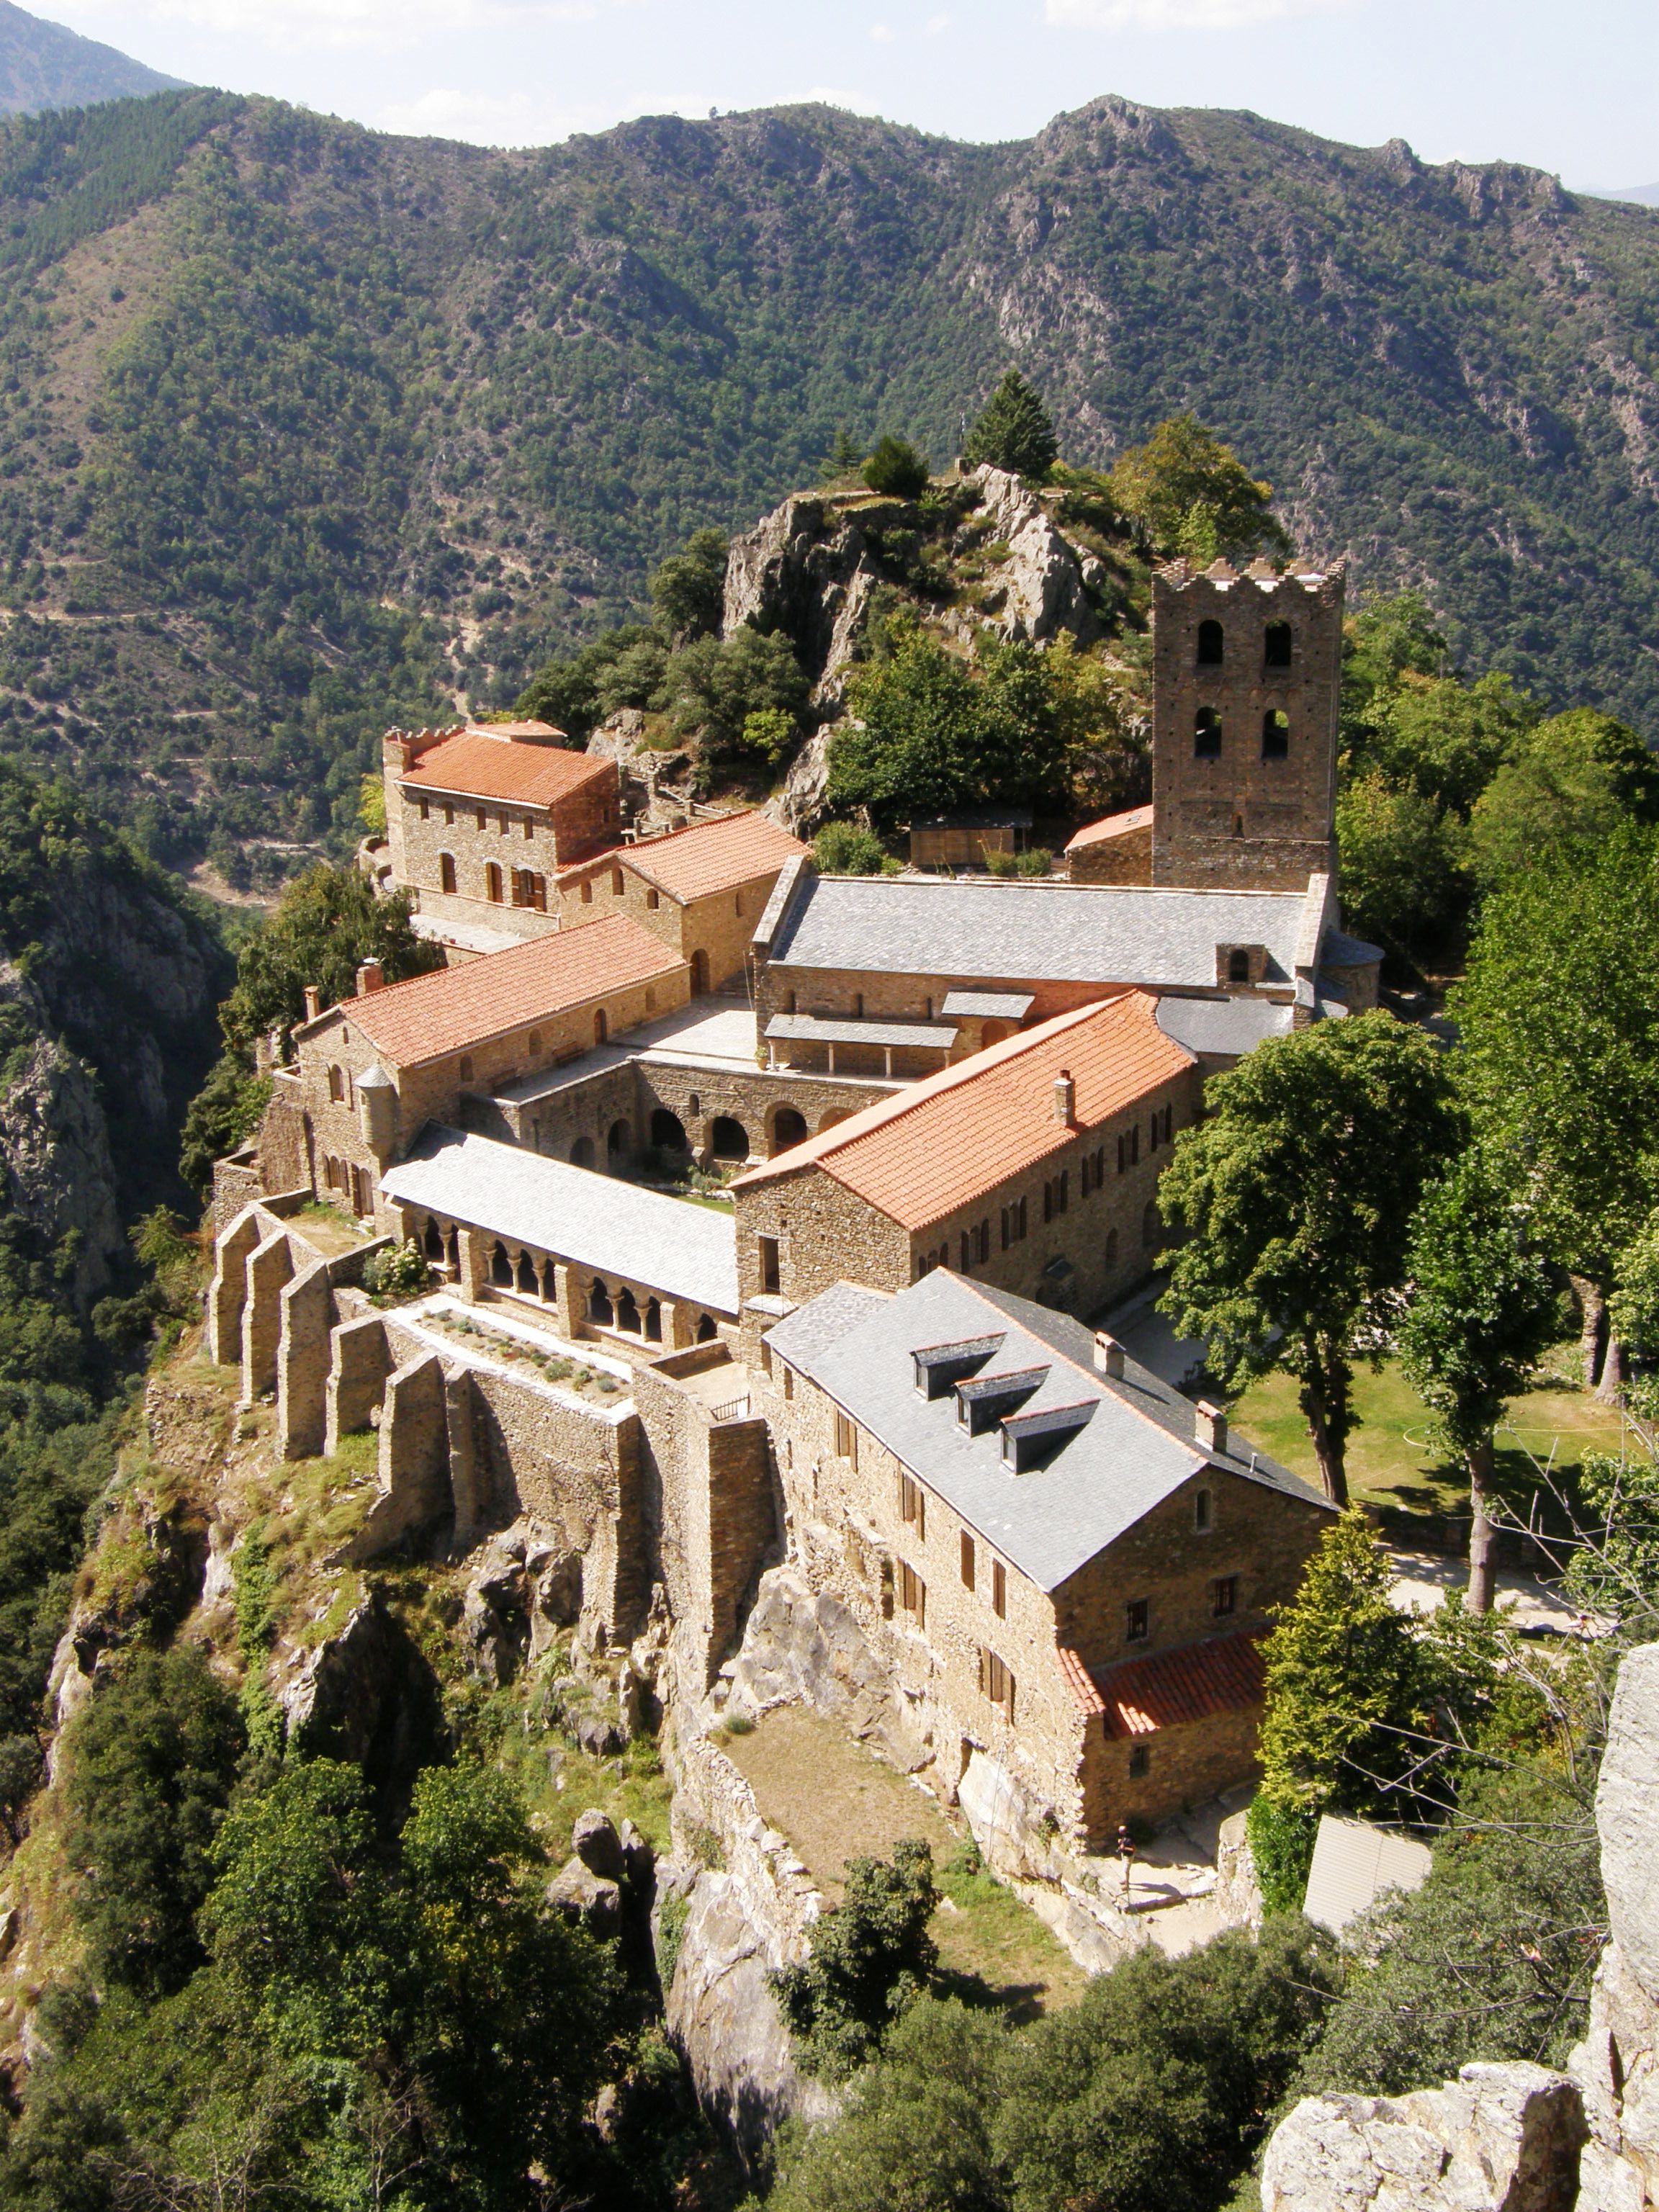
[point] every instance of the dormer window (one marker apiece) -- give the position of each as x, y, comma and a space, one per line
988, 1399
1238, 966
938, 1368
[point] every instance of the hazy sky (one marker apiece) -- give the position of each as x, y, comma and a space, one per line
1571, 89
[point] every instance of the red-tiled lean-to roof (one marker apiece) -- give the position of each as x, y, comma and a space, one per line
1139, 1697
1112, 825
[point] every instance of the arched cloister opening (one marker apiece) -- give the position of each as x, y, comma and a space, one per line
599, 1307
668, 1132
453, 1250
581, 1152
501, 1268
432, 1243
705, 1328
618, 1140
549, 1284
527, 1275
729, 1140
653, 1321
628, 1311
788, 1128
830, 1119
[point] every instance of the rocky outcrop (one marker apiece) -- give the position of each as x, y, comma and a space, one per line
1042, 581
805, 1647
657, 786
54, 1142
1515, 2138
365, 1693
1499, 2139
801, 805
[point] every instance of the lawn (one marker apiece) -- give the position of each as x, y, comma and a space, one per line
1390, 1461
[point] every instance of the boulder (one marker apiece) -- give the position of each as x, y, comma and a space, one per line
1499, 2139
600, 1735
587, 1898
800, 805
595, 1842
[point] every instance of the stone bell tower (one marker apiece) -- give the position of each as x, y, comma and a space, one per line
1246, 677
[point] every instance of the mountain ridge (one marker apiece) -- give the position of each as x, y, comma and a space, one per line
313, 429
45, 65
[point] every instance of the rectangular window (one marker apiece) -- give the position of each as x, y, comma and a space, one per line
738, 903
1048, 1201
1005, 1228
769, 1262
1064, 1188
913, 1505
1134, 1146
449, 817
1136, 1620
483, 818
788, 1380
967, 1561
1224, 1596
913, 1593
1122, 1154
847, 1438
1141, 1759
982, 1239
1084, 1186
1157, 1131
998, 1589
426, 810
653, 900
1019, 1220
501, 824
587, 891
996, 1681
1201, 1511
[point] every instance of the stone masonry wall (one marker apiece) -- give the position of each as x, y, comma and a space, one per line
1123, 860
719, 925
422, 826
1240, 820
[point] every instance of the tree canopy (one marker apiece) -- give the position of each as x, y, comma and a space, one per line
1012, 431
1298, 1189
1192, 495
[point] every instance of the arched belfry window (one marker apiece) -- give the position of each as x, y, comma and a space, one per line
1275, 734
1211, 645
1276, 645
1206, 734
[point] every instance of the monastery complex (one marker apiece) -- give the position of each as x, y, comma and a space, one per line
773, 1215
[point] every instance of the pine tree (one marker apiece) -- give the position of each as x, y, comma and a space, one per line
1015, 431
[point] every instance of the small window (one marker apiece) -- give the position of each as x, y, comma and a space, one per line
998, 1589
483, 818
967, 1562
587, 891
858, 1005
617, 883
653, 900
601, 1026
1275, 735
913, 1593
502, 824
847, 1438
913, 1505
493, 884
336, 1083
1212, 645
1224, 1596
996, 1681
449, 818
466, 1067
426, 810
1137, 1620
1206, 734
1201, 1511
788, 1380
769, 1262
766, 1358
1140, 1760
446, 871
1276, 645
529, 827
737, 904
1238, 965
534, 1043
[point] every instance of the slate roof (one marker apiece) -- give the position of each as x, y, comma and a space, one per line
1223, 1025
1110, 826
1035, 931
702, 859
991, 1006
616, 1228
1136, 1448
939, 1143
454, 1009
812, 1029
476, 766
1139, 1697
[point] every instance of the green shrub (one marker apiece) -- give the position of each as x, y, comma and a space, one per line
871, 1958
895, 469
1036, 862
399, 1272
1282, 1845
841, 848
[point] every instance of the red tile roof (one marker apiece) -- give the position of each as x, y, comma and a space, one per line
939, 1145
477, 767
1112, 825
1139, 1697
454, 1009
705, 857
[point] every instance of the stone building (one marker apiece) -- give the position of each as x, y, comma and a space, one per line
1061, 1562
1247, 676
1033, 1166
479, 821
702, 889
372, 1070
1116, 850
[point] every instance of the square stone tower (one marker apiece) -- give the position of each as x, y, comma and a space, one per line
1246, 677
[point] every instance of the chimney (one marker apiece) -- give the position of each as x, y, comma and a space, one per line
1211, 1427
313, 1001
1109, 1354
1065, 1098
370, 977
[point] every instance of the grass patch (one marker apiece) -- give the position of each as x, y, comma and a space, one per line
1390, 1461
993, 1950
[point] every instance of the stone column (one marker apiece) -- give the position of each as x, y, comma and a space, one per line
570, 1287
475, 1263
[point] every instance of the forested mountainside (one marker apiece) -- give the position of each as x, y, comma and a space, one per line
44, 65
304, 430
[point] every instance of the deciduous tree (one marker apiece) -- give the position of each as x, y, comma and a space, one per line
1297, 1191
1192, 495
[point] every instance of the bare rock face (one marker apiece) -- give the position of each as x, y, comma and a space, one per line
1042, 575
805, 1647
54, 1144
801, 805
796, 571
1499, 2139
1627, 1817
587, 1898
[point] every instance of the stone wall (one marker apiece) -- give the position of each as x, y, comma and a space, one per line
1240, 820
1126, 859
422, 826
718, 926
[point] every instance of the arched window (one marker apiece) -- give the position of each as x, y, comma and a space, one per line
587, 891
446, 871
1211, 645
668, 1132
1276, 645
526, 1274
599, 1307
493, 884
652, 1321
601, 1027
336, 1084
705, 1329
501, 1268
1150, 1227
581, 1152
434, 1242
628, 1311
617, 883
788, 1128
1206, 734
617, 1139
1275, 734
1238, 972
